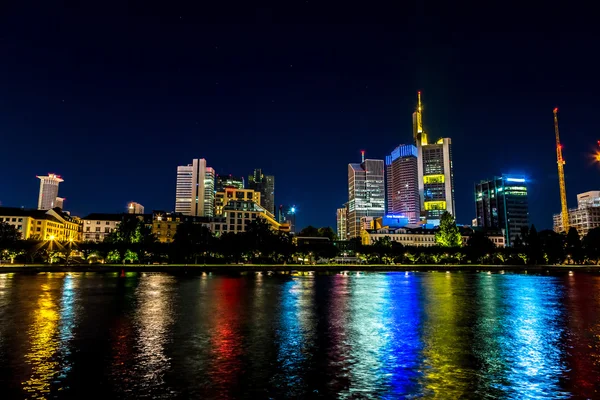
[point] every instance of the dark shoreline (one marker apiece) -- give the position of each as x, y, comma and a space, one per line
229, 269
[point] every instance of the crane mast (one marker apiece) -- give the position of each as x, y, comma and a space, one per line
561, 176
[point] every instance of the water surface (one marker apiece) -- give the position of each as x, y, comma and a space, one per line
374, 335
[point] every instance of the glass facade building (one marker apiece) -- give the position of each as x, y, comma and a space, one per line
366, 193
501, 203
402, 183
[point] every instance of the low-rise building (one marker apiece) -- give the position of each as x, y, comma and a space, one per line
583, 218
234, 194
164, 224
238, 214
97, 226
420, 237
53, 224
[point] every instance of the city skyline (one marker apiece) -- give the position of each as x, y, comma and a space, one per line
298, 99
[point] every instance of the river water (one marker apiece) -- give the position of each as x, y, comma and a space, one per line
371, 335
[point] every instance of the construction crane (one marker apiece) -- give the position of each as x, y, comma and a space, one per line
561, 175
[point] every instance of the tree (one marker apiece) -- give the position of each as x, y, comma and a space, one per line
448, 234
591, 245
309, 231
131, 234
574, 249
553, 246
9, 235
192, 241
534, 247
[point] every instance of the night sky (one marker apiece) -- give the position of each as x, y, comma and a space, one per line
114, 99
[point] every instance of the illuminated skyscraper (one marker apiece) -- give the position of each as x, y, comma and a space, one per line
135, 208
59, 202
48, 191
501, 203
435, 171
402, 183
342, 223
195, 192
265, 184
366, 193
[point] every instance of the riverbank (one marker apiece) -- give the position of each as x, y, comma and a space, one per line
321, 268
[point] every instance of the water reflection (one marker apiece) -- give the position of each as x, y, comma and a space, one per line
533, 336
153, 319
447, 359
295, 335
457, 335
582, 301
43, 342
226, 342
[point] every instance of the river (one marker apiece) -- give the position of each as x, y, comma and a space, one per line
353, 335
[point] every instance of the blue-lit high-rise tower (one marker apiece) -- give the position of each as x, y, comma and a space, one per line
501, 203
403, 183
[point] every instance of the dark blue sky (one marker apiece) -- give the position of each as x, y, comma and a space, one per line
114, 99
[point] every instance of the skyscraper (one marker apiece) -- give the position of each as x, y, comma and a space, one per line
228, 181
366, 193
435, 171
342, 223
265, 184
501, 203
59, 202
48, 191
402, 183
195, 192
135, 208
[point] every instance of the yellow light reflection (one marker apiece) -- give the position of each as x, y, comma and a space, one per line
444, 339
42, 333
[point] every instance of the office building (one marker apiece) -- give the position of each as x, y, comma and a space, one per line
287, 215
135, 208
195, 189
59, 202
366, 193
588, 199
238, 214
48, 191
501, 203
583, 218
435, 171
228, 181
52, 224
231, 194
209, 193
403, 183
342, 223
265, 185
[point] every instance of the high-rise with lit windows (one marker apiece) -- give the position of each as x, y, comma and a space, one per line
195, 191
48, 191
501, 203
435, 171
265, 184
403, 183
342, 223
366, 193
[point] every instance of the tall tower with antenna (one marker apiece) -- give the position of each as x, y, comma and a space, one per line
434, 171
561, 176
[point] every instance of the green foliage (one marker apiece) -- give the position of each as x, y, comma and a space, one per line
9, 236
591, 245
448, 234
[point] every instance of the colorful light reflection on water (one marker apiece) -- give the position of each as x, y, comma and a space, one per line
374, 335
